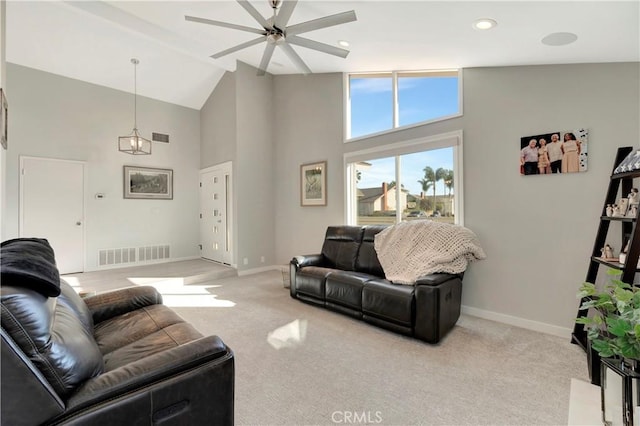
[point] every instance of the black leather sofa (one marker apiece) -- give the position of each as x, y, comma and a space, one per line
116, 358
347, 277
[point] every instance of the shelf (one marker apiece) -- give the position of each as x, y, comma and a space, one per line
609, 263
619, 219
632, 174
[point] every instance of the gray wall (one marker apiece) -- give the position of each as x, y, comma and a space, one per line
537, 231
237, 125
309, 126
254, 169
218, 124
58, 117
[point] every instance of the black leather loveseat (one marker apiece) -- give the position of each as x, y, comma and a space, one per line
117, 358
347, 277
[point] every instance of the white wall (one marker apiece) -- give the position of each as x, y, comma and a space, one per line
538, 231
58, 117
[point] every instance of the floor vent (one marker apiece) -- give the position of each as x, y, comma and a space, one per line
132, 255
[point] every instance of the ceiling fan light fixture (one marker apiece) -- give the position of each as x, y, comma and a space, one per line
133, 143
484, 24
275, 38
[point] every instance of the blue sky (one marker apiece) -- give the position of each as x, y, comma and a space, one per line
419, 99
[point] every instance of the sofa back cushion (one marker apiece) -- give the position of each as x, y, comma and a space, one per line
367, 260
340, 248
55, 333
30, 262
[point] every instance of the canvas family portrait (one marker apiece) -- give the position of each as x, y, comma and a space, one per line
562, 151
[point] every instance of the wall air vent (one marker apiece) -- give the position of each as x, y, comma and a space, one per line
133, 255
159, 137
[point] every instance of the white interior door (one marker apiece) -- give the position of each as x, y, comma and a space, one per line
215, 213
52, 207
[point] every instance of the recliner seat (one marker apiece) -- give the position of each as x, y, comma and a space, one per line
114, 358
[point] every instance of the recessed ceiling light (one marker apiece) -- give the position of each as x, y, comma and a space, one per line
343, 43
484, 24
559, 39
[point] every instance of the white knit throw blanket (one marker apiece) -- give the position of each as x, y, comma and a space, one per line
411, 249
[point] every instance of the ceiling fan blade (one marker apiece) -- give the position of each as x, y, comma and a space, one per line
224, 24
238, 47
295, 58
327, 21
266, 57
282, 19
253, 12
315, 45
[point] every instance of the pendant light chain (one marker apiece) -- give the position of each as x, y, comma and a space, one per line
135, 63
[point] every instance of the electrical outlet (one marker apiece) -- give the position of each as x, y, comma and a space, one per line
245, 261
261, 259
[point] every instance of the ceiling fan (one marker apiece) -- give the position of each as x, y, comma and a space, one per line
276, 32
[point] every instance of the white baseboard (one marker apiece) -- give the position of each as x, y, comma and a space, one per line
518, 322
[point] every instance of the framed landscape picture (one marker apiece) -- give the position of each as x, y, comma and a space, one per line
148, 183
313, 184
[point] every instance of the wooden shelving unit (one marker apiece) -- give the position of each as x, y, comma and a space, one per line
620, 185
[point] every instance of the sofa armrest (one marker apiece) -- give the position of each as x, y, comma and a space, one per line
113, 303
436, 279
152, 369
307, 260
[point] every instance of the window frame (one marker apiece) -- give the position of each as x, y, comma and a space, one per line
395, 106
444, 140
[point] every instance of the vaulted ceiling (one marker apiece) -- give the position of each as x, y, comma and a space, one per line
94, 41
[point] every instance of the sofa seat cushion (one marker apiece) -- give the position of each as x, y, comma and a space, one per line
141, 333
388, 301
311, 280
345, 288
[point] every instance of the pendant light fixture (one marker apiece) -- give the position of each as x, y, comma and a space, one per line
134, 144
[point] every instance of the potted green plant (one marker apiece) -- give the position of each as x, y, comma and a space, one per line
613, 331
614, 327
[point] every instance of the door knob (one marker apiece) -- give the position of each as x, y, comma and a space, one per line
78, 223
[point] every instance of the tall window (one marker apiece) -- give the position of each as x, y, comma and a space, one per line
406, 181
384, 101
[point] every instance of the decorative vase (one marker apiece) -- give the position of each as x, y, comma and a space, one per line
620, 392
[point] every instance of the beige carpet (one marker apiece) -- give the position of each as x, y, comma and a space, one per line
298, 364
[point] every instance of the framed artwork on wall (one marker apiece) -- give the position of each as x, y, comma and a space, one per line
4, 117
148, 183
313, 184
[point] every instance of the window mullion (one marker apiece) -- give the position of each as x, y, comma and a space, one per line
394, 90
398, 191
